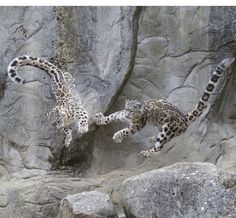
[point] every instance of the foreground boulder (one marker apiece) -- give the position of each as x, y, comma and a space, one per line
91, 204
180, 190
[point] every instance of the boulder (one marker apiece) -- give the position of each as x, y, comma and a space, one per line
180, 190
93, 204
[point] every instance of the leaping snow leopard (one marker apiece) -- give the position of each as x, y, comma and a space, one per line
68, 110
170, 119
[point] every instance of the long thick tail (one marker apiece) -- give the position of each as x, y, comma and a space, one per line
210, 89
24, 60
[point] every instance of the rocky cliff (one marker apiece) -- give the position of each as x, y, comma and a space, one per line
114, 53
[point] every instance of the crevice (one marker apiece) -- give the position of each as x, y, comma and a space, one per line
199, 64
179, 87
135, 28
191, 51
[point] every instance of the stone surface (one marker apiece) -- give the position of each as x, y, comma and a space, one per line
36, 194
91, 204
180, 190
150, 52
26, 135
76, 39
177, 49
114, 53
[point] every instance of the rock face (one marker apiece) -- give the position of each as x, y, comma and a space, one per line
177, 49
180, 190
27, 196
150, 52
114, 53
92, 204
74, 38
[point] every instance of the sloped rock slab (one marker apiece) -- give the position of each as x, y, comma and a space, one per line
91, 204
180, 190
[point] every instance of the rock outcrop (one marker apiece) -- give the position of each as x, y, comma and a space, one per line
180, 190
92, 204
95, 44
177, 49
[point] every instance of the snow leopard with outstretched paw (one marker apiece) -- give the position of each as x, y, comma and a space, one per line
171, 120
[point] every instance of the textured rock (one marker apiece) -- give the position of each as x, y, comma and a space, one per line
35, 194
76, 40
150, 52
102, 59
114, 53
26, 135
92, 204
177, 49
180, 190
39, 196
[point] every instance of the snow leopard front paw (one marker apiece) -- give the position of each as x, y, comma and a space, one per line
117, 137
99, 119
83, 128
67, 141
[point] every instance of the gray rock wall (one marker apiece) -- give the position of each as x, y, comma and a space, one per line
114, 53
177, 49
94, 44
27, 138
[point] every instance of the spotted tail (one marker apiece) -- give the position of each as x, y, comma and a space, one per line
24, 60
210, 89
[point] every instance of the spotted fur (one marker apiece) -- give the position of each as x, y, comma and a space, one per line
170, 120
68, 111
